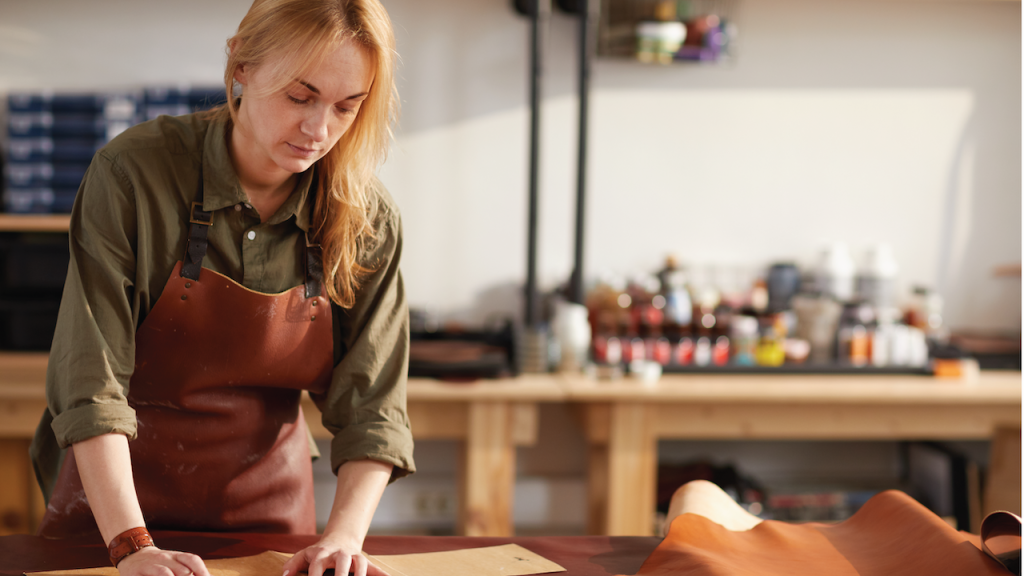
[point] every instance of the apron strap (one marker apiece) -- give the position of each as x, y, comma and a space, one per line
314, 268
199, 226
195, 250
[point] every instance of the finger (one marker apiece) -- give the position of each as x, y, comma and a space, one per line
167, 564
320, 563
358, 565
158, 570
176, 567
296, 564
342, 564
193, 563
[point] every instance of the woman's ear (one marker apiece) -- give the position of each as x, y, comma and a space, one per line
240, 75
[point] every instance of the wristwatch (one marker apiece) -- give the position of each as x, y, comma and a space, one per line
129, 542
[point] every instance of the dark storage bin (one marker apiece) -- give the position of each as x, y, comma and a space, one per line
75, 150
33, 265
28, 324
63, 200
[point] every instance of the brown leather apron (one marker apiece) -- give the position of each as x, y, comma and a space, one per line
219, 370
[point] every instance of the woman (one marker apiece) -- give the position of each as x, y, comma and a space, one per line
220, 264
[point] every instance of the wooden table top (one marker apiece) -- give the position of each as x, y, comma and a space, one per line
991, 387
22, 376
580, 555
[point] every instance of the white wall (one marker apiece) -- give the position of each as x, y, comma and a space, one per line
850, 120
844, 120
847, 120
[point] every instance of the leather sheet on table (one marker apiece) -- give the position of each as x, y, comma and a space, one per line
505, 560
891, 534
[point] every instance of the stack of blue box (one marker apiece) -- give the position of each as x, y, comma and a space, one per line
52, 140
53, 137
178, 100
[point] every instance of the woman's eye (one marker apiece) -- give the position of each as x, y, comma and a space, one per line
296, 100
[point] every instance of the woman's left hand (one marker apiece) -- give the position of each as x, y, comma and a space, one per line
344, 559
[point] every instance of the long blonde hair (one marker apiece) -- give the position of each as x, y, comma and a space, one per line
304, 33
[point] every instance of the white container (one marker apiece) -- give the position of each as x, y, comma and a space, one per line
876, 283
572, 332
836, 272
900, 345
659, 41
918, 348
881, 338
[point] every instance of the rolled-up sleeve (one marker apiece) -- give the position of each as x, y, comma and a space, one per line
365, 406
93, 351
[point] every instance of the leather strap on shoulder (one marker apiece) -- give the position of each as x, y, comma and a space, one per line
314, 265
314, 268
195, 250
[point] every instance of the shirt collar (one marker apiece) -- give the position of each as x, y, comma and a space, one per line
222, 189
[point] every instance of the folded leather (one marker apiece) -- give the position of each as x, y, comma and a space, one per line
890, 534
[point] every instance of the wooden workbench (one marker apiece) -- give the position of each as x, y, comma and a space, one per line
624, 420
489, 418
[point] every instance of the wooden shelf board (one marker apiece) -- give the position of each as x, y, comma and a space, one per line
34, 222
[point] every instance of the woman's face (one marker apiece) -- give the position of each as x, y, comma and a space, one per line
284, 133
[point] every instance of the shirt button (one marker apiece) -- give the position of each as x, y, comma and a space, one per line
238, 207
251, 235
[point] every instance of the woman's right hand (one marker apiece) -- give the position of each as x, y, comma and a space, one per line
152, 561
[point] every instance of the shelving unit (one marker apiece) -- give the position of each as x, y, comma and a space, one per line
20, 498
616, 34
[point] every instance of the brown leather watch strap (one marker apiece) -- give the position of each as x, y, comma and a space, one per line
128, 542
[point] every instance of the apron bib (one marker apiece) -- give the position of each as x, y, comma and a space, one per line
219, 370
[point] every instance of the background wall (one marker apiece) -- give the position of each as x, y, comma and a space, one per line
848, 120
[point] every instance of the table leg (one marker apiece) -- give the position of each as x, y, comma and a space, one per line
632, 471
597, 489
488, 474
19, 505
1003, 487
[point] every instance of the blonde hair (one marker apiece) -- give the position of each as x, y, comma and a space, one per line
304, 33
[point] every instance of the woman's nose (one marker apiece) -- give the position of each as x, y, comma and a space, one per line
315, 124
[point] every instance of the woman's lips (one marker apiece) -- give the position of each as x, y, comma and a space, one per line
302, 152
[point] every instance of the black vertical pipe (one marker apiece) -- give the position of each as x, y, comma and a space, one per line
576, 282
532, 308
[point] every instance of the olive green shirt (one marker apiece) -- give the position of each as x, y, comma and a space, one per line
128, 229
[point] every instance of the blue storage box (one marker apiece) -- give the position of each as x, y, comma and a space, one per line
28, 200
30, 149
29, 174
205, 98
69, 175
29, 102
75, 150
29, 124
82, 103
166, 95
63, 199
